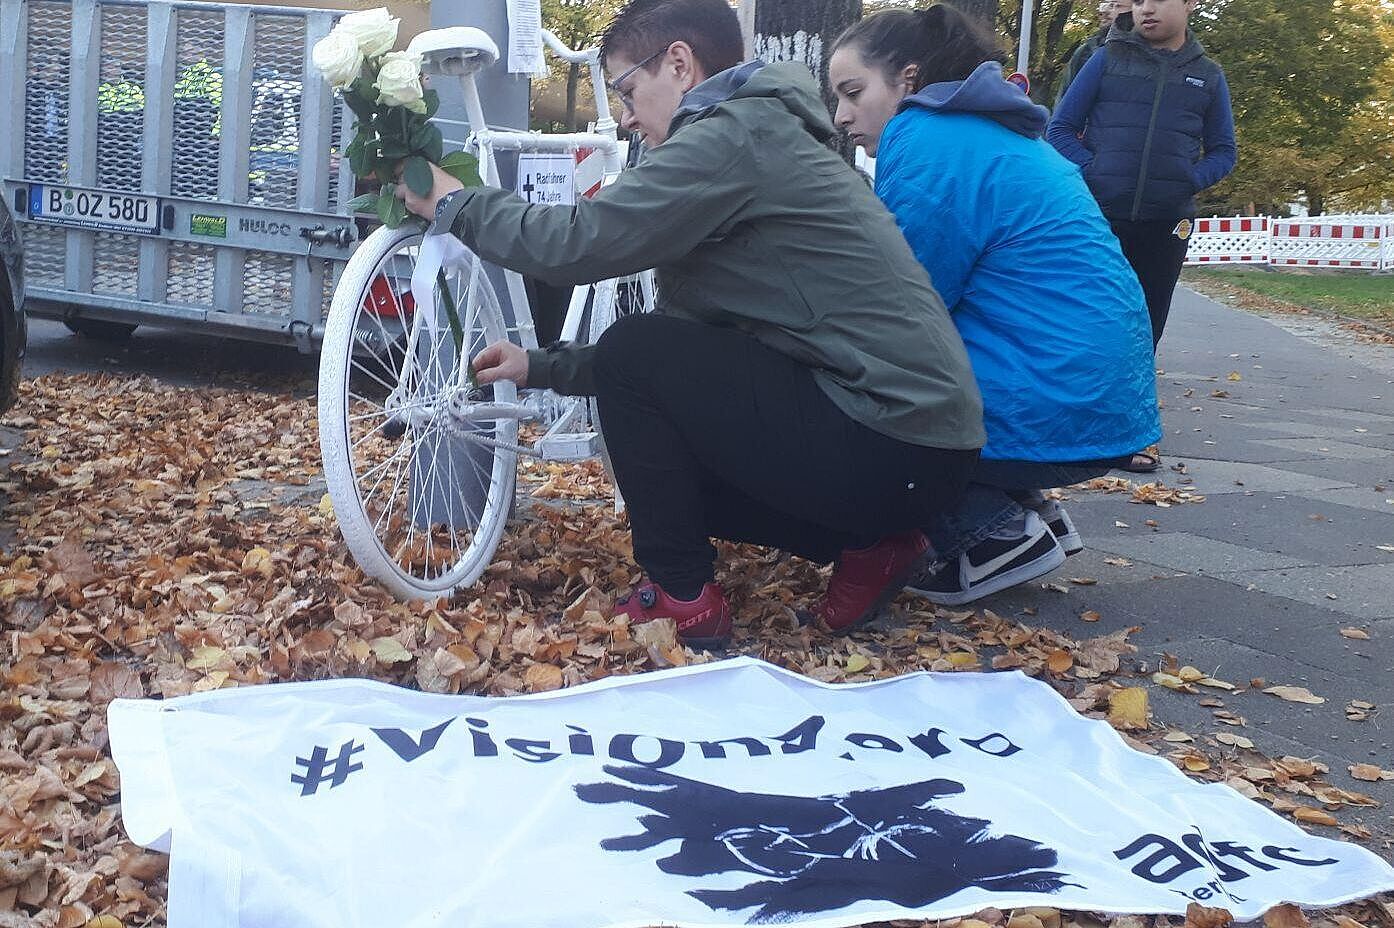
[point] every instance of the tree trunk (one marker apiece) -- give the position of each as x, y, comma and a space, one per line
1316, 202
804, 30
983, 12
1050, 53
573, 77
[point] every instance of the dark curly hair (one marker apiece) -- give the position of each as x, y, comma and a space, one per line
941, 42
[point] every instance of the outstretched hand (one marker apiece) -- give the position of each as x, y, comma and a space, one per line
501, 361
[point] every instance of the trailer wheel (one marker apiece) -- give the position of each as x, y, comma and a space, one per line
100, 329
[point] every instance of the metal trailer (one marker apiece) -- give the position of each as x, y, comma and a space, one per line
175, 163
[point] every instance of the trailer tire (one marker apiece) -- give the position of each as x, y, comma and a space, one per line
100, 329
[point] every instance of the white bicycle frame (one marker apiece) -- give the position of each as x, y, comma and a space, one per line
562, 412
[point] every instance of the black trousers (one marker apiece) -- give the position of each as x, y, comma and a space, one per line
712, 434
1156, 253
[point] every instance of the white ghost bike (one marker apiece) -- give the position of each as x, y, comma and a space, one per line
420, 463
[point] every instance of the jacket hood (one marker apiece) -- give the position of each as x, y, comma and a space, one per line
985, 93
789, 82
1122, 33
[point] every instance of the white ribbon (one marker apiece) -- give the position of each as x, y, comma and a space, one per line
439, 252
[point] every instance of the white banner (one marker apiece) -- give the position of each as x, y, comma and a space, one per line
724, 794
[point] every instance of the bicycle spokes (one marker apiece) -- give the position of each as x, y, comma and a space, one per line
424, 481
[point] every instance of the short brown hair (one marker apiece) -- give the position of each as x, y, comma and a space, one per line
710, 27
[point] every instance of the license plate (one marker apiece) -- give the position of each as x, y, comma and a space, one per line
95, 209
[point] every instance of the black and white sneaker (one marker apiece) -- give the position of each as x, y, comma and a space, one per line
1019, 552
1061, 526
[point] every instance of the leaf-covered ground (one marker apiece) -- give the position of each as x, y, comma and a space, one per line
157, 541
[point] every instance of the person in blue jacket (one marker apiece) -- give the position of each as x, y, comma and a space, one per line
1148, 121
1052, 316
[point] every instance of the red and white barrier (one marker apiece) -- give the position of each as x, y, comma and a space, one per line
1362, 242
1237, 240
590, 171
1350, 242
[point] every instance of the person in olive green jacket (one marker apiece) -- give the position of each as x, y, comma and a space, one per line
800, 384
1109, 11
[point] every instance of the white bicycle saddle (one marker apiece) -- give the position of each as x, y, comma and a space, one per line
456, 50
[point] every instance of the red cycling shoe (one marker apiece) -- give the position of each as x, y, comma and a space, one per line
866, 579
704, 622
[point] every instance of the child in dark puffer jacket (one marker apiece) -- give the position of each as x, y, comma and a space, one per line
1149, 123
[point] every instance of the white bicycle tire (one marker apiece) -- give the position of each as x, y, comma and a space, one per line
611, 299
369, 539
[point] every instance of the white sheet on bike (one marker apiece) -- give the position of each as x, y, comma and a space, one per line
720, 794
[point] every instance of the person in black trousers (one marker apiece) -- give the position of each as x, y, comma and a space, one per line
1149, 123
799, 384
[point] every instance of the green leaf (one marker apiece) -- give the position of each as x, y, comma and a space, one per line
398, 214
432, 102
458, 157
434, 148
386, 199
357, 152
363, 204
372, 159
395, 149
362, 109
468, 177
361, 98
453, 317
417, 174
462, 166
422, 135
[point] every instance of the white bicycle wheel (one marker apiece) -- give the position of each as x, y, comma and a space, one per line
421, 495
622, 296
611, 299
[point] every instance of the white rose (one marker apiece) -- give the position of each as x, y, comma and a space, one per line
374, 30
399, 81
337, 57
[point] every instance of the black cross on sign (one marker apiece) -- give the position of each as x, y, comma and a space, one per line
528, 187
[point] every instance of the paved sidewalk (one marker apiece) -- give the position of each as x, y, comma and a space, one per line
1294, 541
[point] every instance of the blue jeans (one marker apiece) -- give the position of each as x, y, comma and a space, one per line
998, 493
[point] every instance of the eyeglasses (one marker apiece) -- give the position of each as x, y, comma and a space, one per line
627, 96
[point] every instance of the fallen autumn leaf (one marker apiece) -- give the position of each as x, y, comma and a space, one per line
1295, 694
1127, 708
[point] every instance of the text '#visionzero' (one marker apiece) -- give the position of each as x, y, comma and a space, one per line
648, 750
